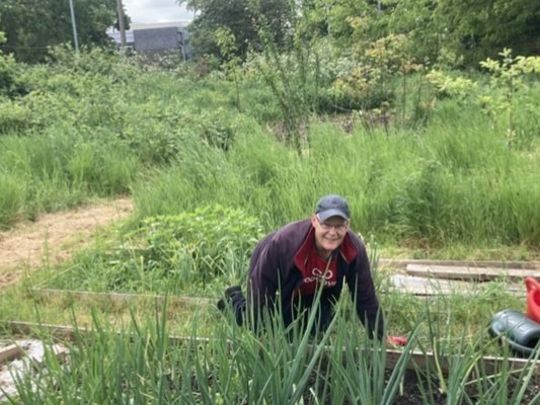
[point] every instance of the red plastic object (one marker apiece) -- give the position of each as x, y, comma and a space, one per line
397, 340
533, 298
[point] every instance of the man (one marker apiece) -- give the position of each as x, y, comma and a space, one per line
289, 266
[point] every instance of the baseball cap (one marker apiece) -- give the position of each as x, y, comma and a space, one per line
331, 206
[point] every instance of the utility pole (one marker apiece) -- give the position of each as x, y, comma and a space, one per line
75, 40
121, 25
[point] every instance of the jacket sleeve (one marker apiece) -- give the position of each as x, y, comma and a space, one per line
263, 283
363, 295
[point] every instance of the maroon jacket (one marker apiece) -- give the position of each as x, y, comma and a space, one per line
274, 268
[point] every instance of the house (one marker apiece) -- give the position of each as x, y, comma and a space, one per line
157, 38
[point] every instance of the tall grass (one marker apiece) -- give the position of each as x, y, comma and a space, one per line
447, 184
56, 170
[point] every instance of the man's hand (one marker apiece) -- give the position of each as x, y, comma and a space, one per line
397, 340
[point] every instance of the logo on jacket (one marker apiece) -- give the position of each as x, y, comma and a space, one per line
321, 276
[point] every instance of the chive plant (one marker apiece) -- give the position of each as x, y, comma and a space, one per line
275, 364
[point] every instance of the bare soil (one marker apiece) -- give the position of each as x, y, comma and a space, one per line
53, 238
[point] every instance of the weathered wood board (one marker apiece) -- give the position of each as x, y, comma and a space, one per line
9, 353
402, 263
470, 273
424, 286
120, 298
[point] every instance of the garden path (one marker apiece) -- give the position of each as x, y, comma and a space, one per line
53, 237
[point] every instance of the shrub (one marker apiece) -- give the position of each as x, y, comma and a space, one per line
209, 234
14, 117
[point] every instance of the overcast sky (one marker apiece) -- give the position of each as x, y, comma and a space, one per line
150, 11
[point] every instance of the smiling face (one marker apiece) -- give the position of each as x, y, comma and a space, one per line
329, 234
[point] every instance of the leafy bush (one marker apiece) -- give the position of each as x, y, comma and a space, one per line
208, 234
9, 84
13, 116
448, 86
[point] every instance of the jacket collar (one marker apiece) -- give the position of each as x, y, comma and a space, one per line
347, 250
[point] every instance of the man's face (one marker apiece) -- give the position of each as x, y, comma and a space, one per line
329, 233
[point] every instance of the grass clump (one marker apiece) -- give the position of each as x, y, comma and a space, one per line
193, 252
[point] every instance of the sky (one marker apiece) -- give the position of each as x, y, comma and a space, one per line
151, 11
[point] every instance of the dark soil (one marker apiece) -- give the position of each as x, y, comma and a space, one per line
420, 392
413, 394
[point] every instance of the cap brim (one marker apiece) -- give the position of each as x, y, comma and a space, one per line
324, 215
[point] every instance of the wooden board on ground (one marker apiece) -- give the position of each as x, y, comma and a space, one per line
470, 273
402, 263
120, 298
26, 358
9, 353
423, 286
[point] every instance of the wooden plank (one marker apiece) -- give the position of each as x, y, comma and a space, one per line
402, 263
423, 286
10, 352
33, 356
470, 273
120, 298
491, 364
417, 358
31, 329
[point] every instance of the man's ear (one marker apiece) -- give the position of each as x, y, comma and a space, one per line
314, 220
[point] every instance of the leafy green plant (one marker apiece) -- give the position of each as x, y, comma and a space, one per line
8, 70
508, 83
208, 234
294, 76
447, 85
227, 45
370, 79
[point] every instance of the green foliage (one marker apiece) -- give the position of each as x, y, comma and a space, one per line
478, 29
453, 33
14, 117
448, 85
509, 81
371, 81
508, 99
34, 25
227, 45
241, 18
208, 234
11, 198
9, 85
196, 251
293, 77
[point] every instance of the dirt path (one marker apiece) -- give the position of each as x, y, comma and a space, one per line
54, 237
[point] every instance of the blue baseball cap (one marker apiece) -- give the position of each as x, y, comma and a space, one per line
332, 205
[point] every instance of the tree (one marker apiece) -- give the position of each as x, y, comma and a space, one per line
461, 31
473, 29
7, 67
240, 17
31, 26
480, 28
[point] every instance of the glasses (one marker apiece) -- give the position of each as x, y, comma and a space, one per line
325, 226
